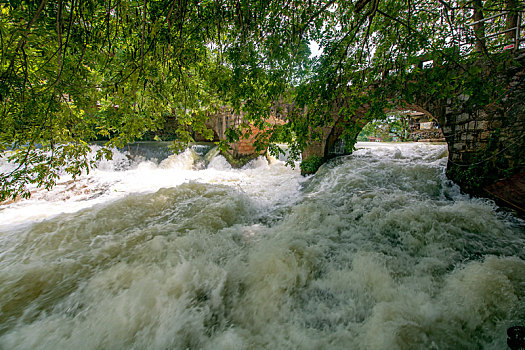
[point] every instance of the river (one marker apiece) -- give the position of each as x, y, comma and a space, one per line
378, 250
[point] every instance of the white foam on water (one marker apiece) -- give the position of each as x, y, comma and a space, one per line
121, 176
376, 251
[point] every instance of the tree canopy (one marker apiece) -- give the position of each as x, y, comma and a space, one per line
73, 71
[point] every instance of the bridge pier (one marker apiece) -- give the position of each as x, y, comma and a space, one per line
486, 143
318, 152
245, 148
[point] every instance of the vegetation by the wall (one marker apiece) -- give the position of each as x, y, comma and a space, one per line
238, 162
311, 165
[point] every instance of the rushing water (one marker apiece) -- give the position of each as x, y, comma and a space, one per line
376, 251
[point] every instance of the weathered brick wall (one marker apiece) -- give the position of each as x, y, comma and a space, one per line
224, 118
246, 145
486, 143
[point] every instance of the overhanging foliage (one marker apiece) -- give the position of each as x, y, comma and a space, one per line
73, 71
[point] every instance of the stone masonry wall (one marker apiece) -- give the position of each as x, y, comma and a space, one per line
486, 143
245, 146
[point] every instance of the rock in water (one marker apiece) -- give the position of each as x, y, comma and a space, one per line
516, 338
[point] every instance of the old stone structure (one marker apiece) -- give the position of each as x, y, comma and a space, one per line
245, 147
486, 142
485, 134
424, 129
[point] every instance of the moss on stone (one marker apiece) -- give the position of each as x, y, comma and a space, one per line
311, 165
239, 162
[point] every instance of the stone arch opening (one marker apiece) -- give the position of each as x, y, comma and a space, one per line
422, 126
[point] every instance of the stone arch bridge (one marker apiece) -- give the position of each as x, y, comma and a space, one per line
486, 142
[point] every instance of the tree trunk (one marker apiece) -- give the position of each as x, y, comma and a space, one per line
479, 28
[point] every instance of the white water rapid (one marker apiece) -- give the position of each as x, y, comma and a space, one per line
378, 250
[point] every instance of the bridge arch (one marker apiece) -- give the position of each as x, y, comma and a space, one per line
331, 141
485, 139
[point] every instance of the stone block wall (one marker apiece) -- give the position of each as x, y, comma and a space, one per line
486, 143
219, 122
225, 118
